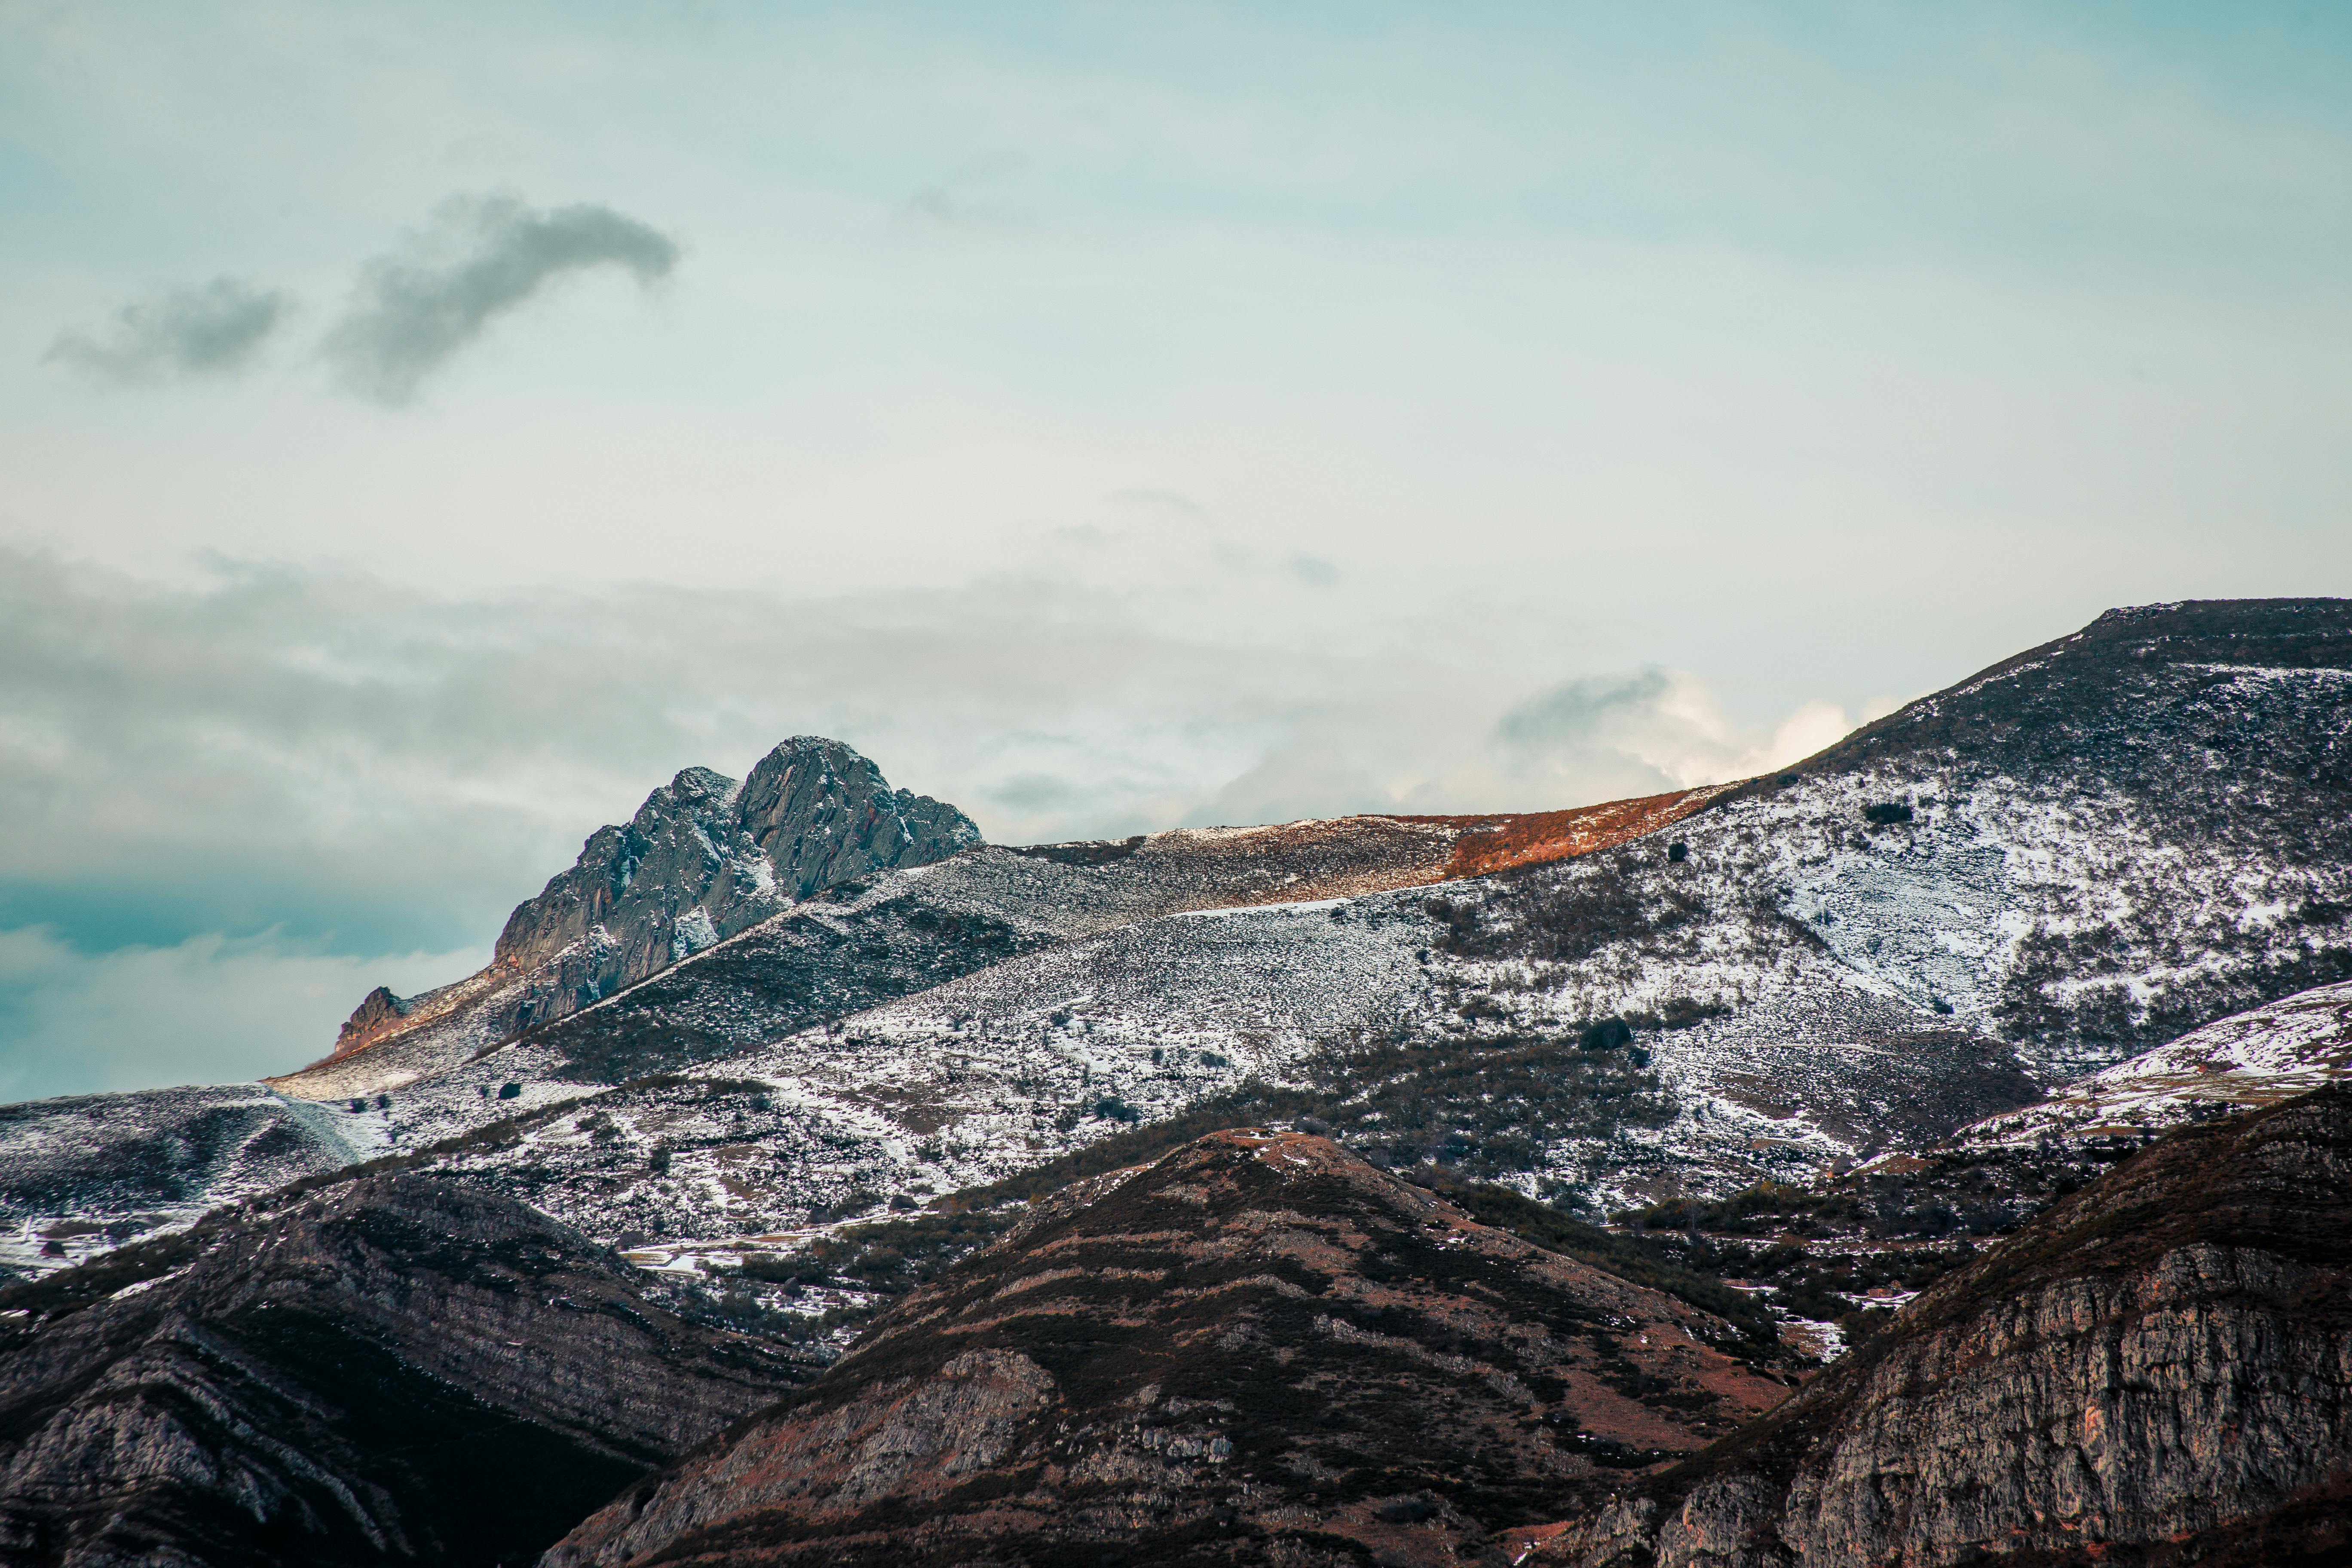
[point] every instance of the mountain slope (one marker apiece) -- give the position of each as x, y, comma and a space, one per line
393, 1370
2055, 864
2157, 1370
81, 1175
2252, 1058
1261, 1349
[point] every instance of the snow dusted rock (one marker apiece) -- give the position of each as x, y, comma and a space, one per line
2252, 1058
703, 858
86, 1173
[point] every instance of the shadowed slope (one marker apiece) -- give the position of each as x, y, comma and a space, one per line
393, 1371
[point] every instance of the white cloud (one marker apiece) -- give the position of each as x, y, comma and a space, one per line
1656, 728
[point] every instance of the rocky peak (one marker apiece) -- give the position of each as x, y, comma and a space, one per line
379, 1013
823, 815
704, 859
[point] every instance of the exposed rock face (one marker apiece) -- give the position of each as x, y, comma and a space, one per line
2157, 1370
703, 858
393, 1370
1259, 1350
379, 1013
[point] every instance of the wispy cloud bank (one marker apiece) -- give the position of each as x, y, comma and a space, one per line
359, 770
1654, 725
217, 329
482, 258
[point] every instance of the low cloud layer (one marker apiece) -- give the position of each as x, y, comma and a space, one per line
299, 779
1653, 726
216, 330
482, 257
209, 1009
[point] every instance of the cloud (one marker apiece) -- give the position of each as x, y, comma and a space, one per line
968, 197
1654, 729
216, 330
482, 257
279, 780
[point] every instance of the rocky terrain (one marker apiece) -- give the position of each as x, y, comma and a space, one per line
1796, 1054
703, 858
394, 1369
82, 1175
1259, 1349
2252, 1058
1977, 899
2157, 1370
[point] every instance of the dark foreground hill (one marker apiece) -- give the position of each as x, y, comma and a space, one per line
2158, 1370
1260, 1350
391, 1371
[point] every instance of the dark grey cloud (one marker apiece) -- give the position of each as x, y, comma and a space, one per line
482, 258
217, 329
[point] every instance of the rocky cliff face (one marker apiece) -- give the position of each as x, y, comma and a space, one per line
1260, 1350
2157, 1370
703, 858
390, 1371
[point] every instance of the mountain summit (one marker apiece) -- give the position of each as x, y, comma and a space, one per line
703, 858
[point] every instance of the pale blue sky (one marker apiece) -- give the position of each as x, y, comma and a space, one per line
423, 429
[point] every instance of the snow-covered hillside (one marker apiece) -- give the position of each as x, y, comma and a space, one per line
2083, 853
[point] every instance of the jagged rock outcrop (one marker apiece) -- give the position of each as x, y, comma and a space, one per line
1258, 1350
703, 858
392, 1371
378, 1015
2157, 1370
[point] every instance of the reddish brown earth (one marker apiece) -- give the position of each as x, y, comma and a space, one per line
1539, 837
1259, 1350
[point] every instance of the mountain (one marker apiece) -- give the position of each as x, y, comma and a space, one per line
392, 1369
2256, 1057
2057, 863
791, 1068
82, 1174
1259, 1349
2157, 1370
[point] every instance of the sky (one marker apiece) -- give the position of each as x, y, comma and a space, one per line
425, 428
